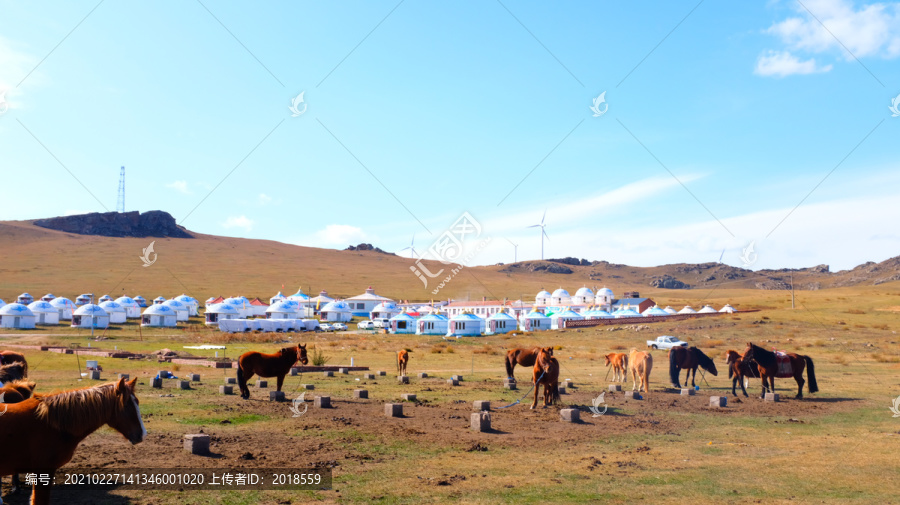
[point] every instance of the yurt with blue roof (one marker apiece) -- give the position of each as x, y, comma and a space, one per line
282, 309
402, 323
655, 311
384, 310
432, 324
623, 313
116, 311
465, 325
596, 314
535, 321
132, 309
141, 301
90, 315
159, 315
64, 306
218, 311
24, 299
558, 320
501, 322
182, 312
16, 315
336, 311
192, 303
44, 312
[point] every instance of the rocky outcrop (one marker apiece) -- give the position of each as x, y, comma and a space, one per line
367, 247
551, 269
154, 223
668, 282
571, 261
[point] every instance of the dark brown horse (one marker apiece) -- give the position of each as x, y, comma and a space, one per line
524, 357
546, 372
44, 431
688, 358
9, 357
15, 392
739, 371
12, 372
277, 364
765, 362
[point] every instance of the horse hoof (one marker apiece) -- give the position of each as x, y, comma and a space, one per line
530, 408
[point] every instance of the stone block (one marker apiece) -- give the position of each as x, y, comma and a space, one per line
323, 402
360, 393
615, 388
482, 405
773, 397
423, 375
718, 401
226, 390
480, 421
453, 382
276, 396
403, 379
157, 383
570, 415
184, 384
195, 377
393, 409
633, 395
687, 392
261, 384
410, 397
197, 444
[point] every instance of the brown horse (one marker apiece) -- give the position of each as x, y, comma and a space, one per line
640, 363
619, 362
15, 392
277, 364
43, 432
688, 358
9, 357
402, 360
766, 363
524, 357
546, 372
739, 371
12, 372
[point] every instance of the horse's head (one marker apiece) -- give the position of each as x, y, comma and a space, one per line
301, 354
748, 353
731, 356
127, 419
544, 357
609, 358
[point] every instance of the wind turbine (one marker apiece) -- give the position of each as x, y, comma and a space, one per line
412, 248
543, 233
515, 251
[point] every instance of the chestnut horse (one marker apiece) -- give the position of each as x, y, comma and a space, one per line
9, 357
12, 372
546, 372
43, 432
765, 362
739, 371
619, 362
524, 357
688, 358
402, 360
15, 392
277, 364
640, 363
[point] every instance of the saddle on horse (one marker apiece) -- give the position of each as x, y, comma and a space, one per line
784, 365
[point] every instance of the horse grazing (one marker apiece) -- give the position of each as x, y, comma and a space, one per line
688, 358
738, 371
546, 372
640, 363
402, 360
277, 364
521, 356
766, 363
619, 362
12, 372
10, 357
44, 431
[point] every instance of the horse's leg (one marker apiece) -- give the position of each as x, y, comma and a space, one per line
40, 495
280, 381
537, 386
16, 485
693, 372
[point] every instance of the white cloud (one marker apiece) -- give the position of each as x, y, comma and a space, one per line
264, 199
783, 63
340, 235
871, 30
180, 186
238, 222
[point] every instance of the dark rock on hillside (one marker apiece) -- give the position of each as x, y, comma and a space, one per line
668, 282
154, 223
367, 247
552, 269
571, 261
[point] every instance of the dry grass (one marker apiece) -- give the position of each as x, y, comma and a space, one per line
855, 311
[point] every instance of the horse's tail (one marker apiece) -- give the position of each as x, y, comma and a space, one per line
811, 374
509, 362
673, 367
240, 374
730, 370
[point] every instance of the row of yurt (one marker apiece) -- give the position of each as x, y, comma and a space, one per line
583, 296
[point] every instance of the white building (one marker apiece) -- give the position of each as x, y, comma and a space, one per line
584, 296
487, 308
558, 320
320, 301
362, 305
336, 311
44, 312
218, 311
707, 309
560, 297
24, 299
141, 301
65, 307
182, 312
104, 298
465, 325
48, 297
192, 303
241, 304
728, 308
687, 310
159, 315
90, 315
655, 311
158, 300
117, 313
277, 298
596, 314
84, 299
432, 324
542, 298
604, 298
402, 323
16, 315
384, 310
501, 322
132, 309
283, 310
670, 310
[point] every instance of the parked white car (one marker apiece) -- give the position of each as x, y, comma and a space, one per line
339, 327
325, 327
666, 342
381, 322
365, 325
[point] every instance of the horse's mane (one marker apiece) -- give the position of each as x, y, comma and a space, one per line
759, 352
77, 410
704, 360
24, 387
13, 371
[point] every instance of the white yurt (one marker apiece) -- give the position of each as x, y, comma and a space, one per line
2, 303
655, 311
84, 299
728, 308
432, 324
384, 310
159, 315
627, 312
277, 298
300, 297
403, 323
535, 321
44, 313
321, 300
65, 307
90, 315
596, 314
219, 311
16, 315
132, 309
24, 299
584, 296
560, 297
141, 301
670, 310
182, 312
558, 320
104, 298
158, 300
241, 304
542, 298
707, 309
465, 325
604, 297
192, 303
501, 322
687, 310
48, 297
117, 313
336, 311
283, 310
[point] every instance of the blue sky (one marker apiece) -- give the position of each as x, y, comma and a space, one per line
722, 117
